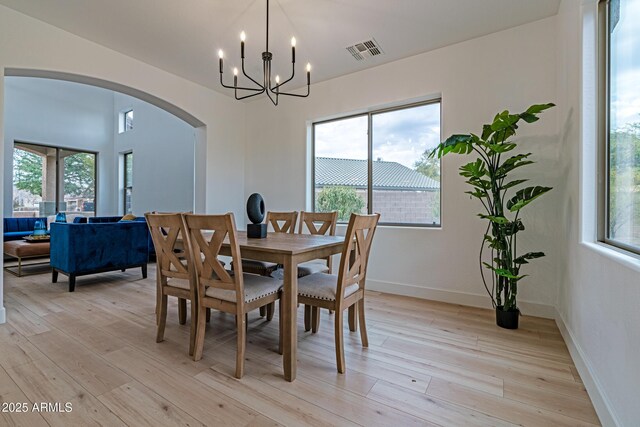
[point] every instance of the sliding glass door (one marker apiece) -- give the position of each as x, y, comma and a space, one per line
47, 180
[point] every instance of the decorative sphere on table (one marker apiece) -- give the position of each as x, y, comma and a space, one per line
255, 208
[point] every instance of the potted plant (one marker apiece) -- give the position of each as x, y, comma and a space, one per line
488, 176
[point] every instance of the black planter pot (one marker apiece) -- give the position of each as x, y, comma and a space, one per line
507, 319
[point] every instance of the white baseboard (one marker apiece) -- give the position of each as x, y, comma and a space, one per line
600, 401
453, 297
3, 315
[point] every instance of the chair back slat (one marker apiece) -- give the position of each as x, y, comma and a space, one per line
321, 223
282, 222
355, 255
171, 253
205, 236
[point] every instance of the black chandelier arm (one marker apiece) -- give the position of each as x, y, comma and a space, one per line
293, 73
296, 94
238, 87
250, 78
224, 85
274, 102
239, 98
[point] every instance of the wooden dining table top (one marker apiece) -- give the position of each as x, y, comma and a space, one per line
287, 243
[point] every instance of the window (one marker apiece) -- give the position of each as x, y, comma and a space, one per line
378, 162
128, 181
125, 121
47, 180
620, 222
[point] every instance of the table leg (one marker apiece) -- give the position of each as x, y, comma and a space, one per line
289, 318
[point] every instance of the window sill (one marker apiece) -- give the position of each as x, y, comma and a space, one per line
400, 227
617, 255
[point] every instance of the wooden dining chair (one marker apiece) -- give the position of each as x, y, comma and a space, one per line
281, 222
322, 224
173, 277
228, 291
317, 223
346, 289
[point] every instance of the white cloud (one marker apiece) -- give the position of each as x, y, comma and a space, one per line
400, 136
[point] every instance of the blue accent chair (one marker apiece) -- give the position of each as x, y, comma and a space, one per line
81, 249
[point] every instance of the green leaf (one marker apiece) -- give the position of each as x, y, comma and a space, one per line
494, 219
493, 242
489, 266
525, 196
522, 259
486, 132
502, 148
513, 183
512, 163
503, 272
458, 144
477, 194
482, 184
538, 108
528, 117
475, 169
512, 228
504, 120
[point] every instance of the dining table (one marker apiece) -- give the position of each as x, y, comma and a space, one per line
288, 250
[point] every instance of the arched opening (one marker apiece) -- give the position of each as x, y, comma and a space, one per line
198, 134
105, 84
195, 154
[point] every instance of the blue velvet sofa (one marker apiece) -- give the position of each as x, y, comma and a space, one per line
107, 219
17, 228
81, 249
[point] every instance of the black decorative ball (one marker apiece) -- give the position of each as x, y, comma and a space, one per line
255, 208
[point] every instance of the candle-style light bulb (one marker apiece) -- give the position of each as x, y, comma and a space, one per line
277, 79
308, 73
235, 71
243, 36
293, 50
220, 55
308, 67
293, 42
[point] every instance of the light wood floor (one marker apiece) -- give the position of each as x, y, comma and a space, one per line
428, 363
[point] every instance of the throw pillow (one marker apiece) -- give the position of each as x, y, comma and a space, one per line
128, 217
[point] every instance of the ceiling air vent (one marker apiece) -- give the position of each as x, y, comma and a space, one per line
364, 50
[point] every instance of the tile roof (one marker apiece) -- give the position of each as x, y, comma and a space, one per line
386, 175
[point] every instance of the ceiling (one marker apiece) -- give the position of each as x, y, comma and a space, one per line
183, 37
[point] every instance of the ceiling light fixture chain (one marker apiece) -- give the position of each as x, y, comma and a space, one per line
272, 91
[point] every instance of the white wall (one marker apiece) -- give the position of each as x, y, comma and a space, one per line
27, 43
60, 114
478, 78
600, 288
163, 152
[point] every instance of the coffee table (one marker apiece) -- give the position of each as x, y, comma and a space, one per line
21, 249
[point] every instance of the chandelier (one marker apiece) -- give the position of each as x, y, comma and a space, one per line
272, 90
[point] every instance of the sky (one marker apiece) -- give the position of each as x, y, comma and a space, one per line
399, 136
625, 66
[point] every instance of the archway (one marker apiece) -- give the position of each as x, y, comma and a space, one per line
199, 177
